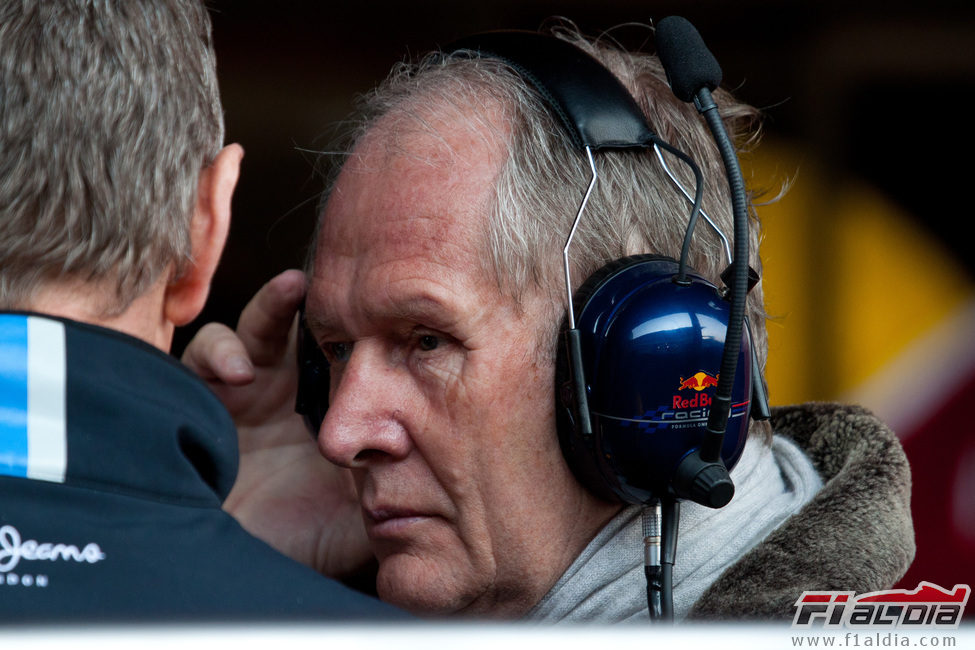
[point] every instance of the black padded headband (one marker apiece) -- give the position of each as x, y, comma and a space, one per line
593, 106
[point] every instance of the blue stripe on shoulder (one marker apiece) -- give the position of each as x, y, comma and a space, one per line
13, 395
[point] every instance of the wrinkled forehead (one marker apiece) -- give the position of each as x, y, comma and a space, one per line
442, 109
418, 186
398, 173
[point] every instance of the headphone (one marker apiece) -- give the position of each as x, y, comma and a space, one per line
643, 343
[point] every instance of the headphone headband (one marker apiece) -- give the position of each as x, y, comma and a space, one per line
594, 107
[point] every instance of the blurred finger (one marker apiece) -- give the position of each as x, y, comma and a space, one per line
215, 353
265, 324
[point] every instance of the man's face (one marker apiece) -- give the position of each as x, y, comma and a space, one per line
441, 400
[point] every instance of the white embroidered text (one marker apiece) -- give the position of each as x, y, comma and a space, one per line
13, 550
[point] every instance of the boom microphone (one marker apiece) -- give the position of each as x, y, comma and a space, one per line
689, 63
693, 73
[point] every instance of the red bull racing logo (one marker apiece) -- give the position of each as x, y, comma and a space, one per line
698, 381
689, 404
699, 400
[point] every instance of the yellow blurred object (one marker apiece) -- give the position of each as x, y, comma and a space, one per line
850, 280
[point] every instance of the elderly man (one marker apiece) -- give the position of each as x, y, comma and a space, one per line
114, 209
435, 294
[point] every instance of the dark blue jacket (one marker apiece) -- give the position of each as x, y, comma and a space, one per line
114, 462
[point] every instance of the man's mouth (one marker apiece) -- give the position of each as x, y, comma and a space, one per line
390, 522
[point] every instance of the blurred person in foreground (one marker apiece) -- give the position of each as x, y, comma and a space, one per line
115, 195
434, 292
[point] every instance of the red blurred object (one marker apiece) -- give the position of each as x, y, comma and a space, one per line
941, 451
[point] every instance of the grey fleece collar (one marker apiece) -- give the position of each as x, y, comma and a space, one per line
606, 582
856, 534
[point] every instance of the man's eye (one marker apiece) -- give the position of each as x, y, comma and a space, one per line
337, 352
428, 342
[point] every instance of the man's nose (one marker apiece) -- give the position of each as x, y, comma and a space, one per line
364, 422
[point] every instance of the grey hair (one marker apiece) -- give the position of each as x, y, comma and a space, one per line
634, 208
109, 110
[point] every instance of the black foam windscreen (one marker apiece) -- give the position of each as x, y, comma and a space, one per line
689, 63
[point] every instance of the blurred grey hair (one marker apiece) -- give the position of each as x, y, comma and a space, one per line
109, 109
635, 208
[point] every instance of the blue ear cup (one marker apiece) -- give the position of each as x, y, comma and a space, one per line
650, 353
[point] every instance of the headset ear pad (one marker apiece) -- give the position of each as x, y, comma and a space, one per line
650, 355
311, 400
577, 443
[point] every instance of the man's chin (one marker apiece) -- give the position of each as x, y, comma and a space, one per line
425, 586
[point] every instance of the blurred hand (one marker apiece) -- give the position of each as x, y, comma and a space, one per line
286, 493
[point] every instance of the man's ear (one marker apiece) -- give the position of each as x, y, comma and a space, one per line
187, 293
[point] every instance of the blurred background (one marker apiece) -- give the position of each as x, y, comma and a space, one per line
869, 263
